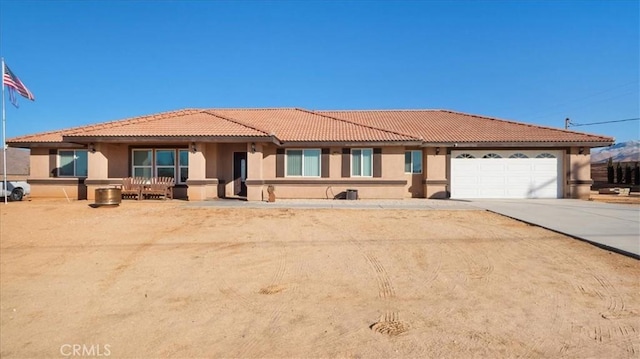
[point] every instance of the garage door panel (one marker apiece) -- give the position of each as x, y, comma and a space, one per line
525, 168
505, 177
517, 180
492, 167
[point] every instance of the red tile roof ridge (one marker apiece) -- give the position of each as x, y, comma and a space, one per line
249, 108
72, 130
213, 113
388, 110
39, 134
527, 124
359, 124
138, 119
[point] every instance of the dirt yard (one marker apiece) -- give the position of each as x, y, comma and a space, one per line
162, 279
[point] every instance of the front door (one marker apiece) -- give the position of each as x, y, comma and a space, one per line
240, 174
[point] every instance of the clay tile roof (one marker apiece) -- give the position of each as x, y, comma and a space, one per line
298, 125
172, 124
449, 126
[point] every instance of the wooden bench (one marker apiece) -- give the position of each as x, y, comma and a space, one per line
156, 187
132, 187
140, 187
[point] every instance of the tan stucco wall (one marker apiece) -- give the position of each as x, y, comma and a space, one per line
118, 156
392, 169
39, 163
213, 162
578, 173
329, 190
63, 188
436, 172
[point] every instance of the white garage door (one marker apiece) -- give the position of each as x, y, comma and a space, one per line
506, 174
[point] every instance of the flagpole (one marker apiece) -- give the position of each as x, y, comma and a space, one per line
4, 140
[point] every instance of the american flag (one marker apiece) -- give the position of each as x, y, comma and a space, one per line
13, 83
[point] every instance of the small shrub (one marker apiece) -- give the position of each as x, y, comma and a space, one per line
619, 178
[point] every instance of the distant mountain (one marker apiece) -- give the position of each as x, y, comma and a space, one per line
620, 152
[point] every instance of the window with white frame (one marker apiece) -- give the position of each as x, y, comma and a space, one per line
142, 163
161, 162
183, 162
72, 163
304, 163
166, 163
362, 162
413, 161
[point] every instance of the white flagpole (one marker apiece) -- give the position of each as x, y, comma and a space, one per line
4, 141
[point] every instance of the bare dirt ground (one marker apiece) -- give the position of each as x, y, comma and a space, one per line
632, 199
159, 279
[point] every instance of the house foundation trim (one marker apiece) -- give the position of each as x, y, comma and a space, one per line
327, 182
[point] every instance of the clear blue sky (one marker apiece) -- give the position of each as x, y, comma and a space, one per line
529, 61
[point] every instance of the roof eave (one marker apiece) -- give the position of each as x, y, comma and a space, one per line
349, 143
520, 144
165, 139
45, 145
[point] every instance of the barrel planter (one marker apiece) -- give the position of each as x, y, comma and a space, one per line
108, 196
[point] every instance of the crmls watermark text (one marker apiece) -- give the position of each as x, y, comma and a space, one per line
85, 350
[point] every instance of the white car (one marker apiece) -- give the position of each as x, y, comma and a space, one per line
16, 190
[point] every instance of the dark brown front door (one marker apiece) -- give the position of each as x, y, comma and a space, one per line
240, 173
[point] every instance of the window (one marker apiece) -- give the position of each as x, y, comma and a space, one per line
518, 155
465, 155
166, 163
362, 162
72, 163
413, 161
184, 166
545, 155
305, 163
142, 163
161, 162
492, 155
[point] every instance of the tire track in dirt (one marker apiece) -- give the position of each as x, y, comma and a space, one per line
477, 269
386, 290
388, 323
271, 327
623, 335
559, 306
616, 335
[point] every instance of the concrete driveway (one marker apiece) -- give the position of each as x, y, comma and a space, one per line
612, 226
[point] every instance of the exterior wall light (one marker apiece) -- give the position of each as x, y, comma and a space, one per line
193, 147
437, 150
253, 147
91, 147
581, 150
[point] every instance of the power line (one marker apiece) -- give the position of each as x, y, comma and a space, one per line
571, 124
574, 102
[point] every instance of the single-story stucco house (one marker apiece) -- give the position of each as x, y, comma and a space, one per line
383, 154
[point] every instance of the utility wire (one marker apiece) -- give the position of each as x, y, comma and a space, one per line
571, 124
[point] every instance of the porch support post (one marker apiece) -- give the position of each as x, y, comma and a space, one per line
97, 168
199, 187
578, 173
254, 171
435, 172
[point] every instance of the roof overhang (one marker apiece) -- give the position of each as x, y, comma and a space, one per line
166, 139
350, 143
45, 145
516, 144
